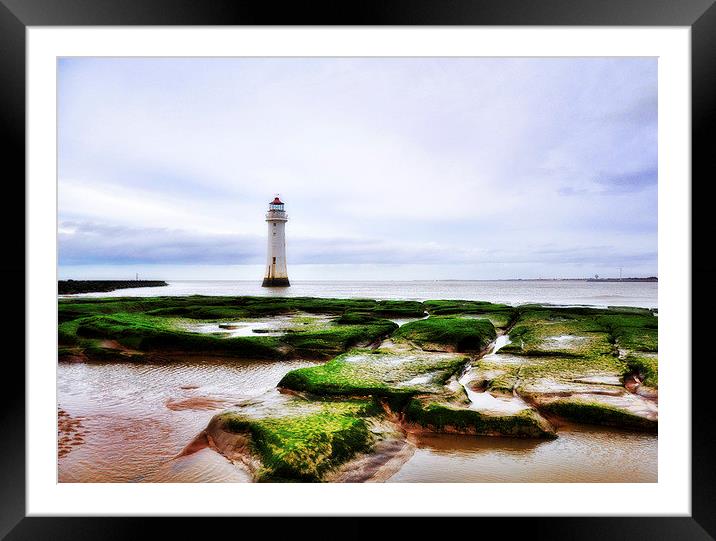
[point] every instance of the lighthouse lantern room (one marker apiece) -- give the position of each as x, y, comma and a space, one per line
276, 274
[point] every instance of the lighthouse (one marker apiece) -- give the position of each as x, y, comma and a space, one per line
276, 274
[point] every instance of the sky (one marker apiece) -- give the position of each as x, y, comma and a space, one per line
390, 168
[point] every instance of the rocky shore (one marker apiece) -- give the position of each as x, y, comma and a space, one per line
463, 367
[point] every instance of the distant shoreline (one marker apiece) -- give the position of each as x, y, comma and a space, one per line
68, 287
649, 279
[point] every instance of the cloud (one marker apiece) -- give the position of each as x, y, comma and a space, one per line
92, 243
409, 161
631, 181
85, 243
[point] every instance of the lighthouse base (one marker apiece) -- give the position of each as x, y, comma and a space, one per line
275, 282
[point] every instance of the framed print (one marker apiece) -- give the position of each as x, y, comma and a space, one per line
422, 260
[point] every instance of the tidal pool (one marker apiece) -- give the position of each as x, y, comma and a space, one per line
269, 326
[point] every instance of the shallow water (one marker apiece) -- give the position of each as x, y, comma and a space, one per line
232, 329
488, 403
483, 400
579, 455
506, 291
500, 342
402, 321
270, 326
134, 418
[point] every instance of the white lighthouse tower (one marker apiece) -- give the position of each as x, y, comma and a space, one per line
276, 274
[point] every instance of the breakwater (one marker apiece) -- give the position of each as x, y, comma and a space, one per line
68, 287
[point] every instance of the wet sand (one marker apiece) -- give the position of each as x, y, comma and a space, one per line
70, 433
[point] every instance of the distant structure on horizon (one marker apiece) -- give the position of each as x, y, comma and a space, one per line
276, 274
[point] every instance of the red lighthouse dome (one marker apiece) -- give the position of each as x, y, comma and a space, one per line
276, 204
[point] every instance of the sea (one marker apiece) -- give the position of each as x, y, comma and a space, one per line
513, 292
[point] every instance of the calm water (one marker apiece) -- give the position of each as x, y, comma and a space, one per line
512, 292
579, 455
122, 422
134, 418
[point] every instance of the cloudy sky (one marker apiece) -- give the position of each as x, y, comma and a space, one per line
461, 168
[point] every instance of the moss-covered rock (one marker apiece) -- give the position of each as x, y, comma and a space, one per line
440, 416
399, 309
146, 331
206, 307
151, 333
501, 315
544, 330
646, 366
567, 368
576, 360
592, 399
448, 333
558, 332
587, 410
337, 338
304, 442
394, 376
634, 332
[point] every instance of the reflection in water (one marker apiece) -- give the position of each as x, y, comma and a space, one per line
276, 325
233, 329
580, 454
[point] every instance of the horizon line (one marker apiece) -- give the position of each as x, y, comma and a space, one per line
592, 279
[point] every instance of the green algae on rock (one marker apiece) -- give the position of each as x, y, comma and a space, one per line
206, 307
300, 443
143, 330
590, 411
501, 315
448, 333
552, 332
582, 331
419, 387
441, 416
145, 333
337, 338
395, 376
577, 362
645, 365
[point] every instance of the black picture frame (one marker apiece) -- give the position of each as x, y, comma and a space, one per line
17, 15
